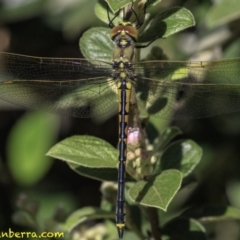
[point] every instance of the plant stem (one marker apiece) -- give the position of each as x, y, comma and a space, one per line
154, 221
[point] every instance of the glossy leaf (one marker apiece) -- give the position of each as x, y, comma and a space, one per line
102, 13
101, 9
168, 135
153, 2
81, 150
101, 174
97, 44
167, 23
157, 191
116, 5
183, 155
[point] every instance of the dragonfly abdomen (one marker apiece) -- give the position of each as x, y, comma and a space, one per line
124, 94
124, 35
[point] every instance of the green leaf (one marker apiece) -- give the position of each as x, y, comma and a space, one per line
86, 214
158, 191
100, 174
97, 44
153, 2
167, 23
89, 156
213, 213
116, 5
183, 155
28, 143
223, 12
168, 135
102, 13
86, 151
184, 229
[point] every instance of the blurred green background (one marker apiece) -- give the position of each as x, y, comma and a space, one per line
52, 28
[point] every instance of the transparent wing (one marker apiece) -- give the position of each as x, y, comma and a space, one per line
182, 90
64, 86
78, 88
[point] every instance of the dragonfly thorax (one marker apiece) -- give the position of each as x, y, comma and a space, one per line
121, 63
122, 69
126, 53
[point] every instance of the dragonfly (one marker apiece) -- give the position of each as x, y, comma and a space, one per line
93, 88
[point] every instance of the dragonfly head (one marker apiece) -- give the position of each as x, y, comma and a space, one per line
124, 29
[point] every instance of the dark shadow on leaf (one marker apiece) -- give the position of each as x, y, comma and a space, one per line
145, 189
205, 211
152, 132
152, 34
100, 174
172, 157
158, 26
158, 105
